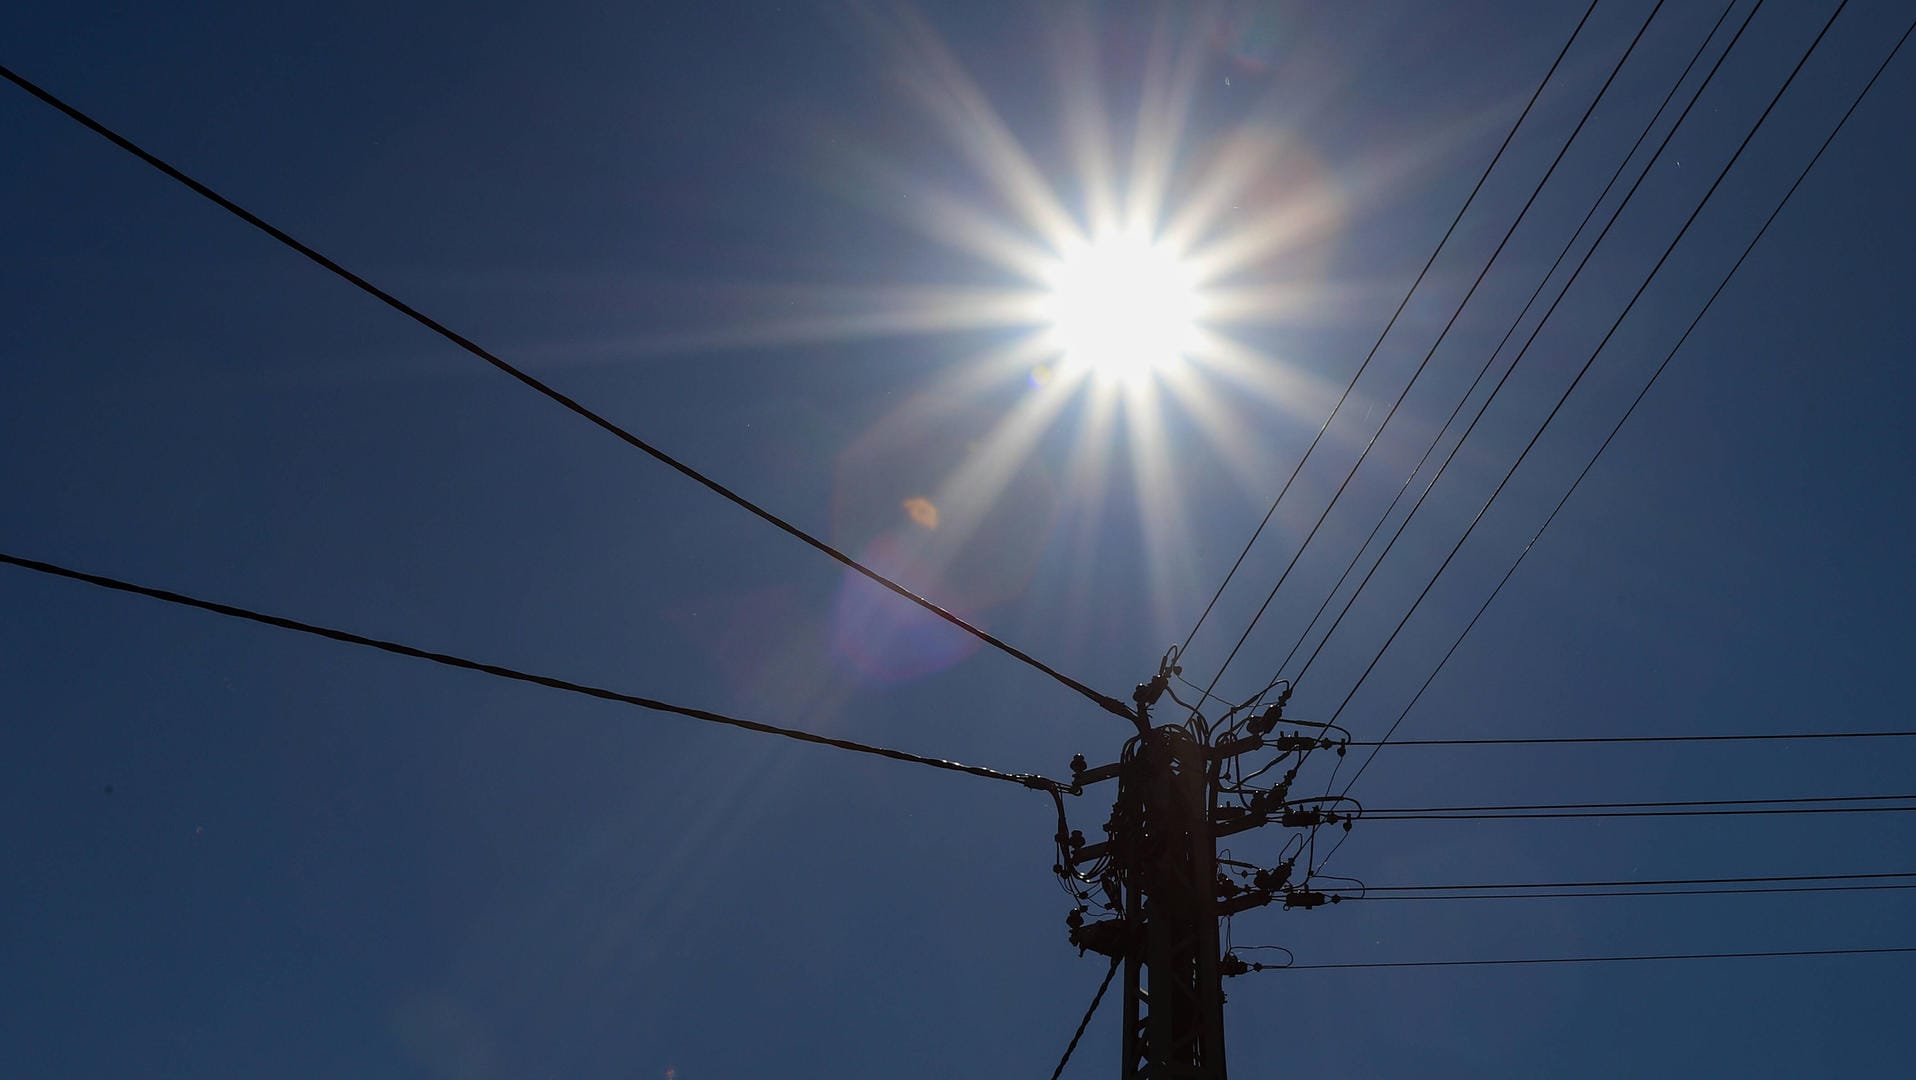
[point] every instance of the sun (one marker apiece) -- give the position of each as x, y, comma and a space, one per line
1121, 308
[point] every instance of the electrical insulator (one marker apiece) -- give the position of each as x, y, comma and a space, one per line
1263, 722
1305, 898
1264, 800
1148, 693
1107, 938
1303, 819
1276, 877
1231, 965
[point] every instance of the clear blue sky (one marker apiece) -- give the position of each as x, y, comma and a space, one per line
234, 851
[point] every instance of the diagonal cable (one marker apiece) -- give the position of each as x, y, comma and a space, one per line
1431, 353
1357, 553
1108, 703
1608, 439
1405, 302
1096, 999
1535, 331
1038, 783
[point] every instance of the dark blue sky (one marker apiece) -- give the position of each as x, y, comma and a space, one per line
236, 851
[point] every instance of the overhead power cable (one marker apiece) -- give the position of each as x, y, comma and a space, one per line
1748, 880
1096, 999
1772, 954
1484, 407
1401, 305
1795, 801
1108, 703
1387, 815
1605, 445
1034, 782
1457, 312
1583, 371
1490, 358
1579, 740
1743, 891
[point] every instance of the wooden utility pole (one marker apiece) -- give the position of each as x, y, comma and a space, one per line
1157, 875
1173, 994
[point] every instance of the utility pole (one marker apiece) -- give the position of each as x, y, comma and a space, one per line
1157, 876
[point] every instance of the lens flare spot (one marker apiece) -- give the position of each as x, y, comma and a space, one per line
922, 512
885, 639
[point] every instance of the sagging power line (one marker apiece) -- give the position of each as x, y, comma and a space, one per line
570, 404
1037, 783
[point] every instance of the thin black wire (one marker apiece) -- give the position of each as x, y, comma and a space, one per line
1109, 704
1643, 892
1747, 880
1535, 331
1599, 739
1456, 313
1490, 359
1385, 815
1765, 955
1483, 408
1795, 801
1352, 385
1086, 1022
1588, 363
1605, 445
1038, 783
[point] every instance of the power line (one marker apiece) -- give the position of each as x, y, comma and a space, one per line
1430, 353
1108, 703
1029, 780
1386, 815
1405, 302
1573, 740
1611, 437
1765, 955
1637, 892
1747, 880
1096, 999
1584, 370
1796, 801
1543, 282
1484, 408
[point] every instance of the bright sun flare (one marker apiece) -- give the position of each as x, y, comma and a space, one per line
1122, 308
